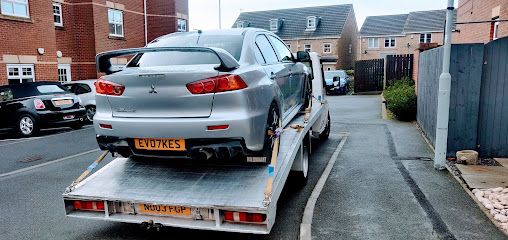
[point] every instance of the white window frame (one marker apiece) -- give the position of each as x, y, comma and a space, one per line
178, 25
390, 39
19, 2
274, 25
307, 49
373, 43
311, 23
20, 72
496, 30
115, 22
327, 48
59, 6
427, 37
67, 68
240, 24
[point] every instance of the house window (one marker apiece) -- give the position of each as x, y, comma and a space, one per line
17, 8
350, 48
115, 19
311, 23
373, 43
307, 47
274, 24
327, 48
20, 73
57, 14
239, 24
182, 25
389, 42
425, 38
64, 73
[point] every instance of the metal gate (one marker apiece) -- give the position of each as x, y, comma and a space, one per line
369, 75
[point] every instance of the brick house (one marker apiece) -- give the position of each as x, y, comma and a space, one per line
58, 40
400, 34
328, 30
484, 14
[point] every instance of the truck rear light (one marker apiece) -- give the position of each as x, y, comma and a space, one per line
108, 88
39, 105
217, 127
97, 206
244, 217
222, 83
105, 126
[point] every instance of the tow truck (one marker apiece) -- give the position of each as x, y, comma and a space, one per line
234, 198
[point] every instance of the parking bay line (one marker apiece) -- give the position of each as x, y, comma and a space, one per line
8, 174
308, 214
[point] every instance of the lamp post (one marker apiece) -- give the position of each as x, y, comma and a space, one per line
443, 101
220, 15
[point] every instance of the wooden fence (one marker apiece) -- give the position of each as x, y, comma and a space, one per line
479, 97
369, 75
399, 67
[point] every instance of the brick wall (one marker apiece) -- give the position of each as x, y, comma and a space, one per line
480, 10
21, 36
85, 33
346, 48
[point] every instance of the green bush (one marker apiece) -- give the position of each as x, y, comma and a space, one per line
401, 99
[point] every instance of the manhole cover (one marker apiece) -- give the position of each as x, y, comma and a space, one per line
31, 159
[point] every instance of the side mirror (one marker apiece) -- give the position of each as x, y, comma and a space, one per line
302, 56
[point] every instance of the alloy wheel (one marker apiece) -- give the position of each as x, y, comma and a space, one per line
26, 125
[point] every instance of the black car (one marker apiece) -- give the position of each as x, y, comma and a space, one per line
29, 107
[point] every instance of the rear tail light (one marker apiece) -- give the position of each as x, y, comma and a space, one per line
243, 217
105, 126
97, 206
217, 127
108, 88
39, 105
222, 83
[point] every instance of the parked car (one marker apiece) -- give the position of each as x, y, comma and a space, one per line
85, 89
337, 82
29, 107
201, 95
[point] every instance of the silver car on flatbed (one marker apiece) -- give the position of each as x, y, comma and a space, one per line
205, 94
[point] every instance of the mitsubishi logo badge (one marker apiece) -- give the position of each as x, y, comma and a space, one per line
153, 91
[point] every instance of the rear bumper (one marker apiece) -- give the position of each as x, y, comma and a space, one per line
246, 129
49, 119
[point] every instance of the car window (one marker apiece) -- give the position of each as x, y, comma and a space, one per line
281, 49
157, 59
266, 49
51, 89
231, 43
82, 89
259, 56
6, 94
70, 87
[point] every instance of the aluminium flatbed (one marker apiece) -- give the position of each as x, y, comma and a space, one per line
204, 193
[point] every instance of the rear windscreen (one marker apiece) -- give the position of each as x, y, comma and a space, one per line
230, 43
51, 89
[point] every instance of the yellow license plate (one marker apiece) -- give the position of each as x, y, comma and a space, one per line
63, 102
160, 144
164, 210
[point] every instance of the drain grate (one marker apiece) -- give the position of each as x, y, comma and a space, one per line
31, 159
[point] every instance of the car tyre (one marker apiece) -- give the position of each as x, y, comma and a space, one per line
326, 133
273, 122
300, 178
90, 112
27, 126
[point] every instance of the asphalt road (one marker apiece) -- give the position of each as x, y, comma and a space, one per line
35, 207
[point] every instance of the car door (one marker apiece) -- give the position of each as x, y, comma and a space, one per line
6, 111
275, 69
296, 76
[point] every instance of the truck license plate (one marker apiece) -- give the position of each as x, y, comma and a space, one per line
160, 144
164, 210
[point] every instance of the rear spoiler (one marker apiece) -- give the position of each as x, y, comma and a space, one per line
227, 62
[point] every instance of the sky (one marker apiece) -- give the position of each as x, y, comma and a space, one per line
204, 14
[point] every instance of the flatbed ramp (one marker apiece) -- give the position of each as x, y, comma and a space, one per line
125, 186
